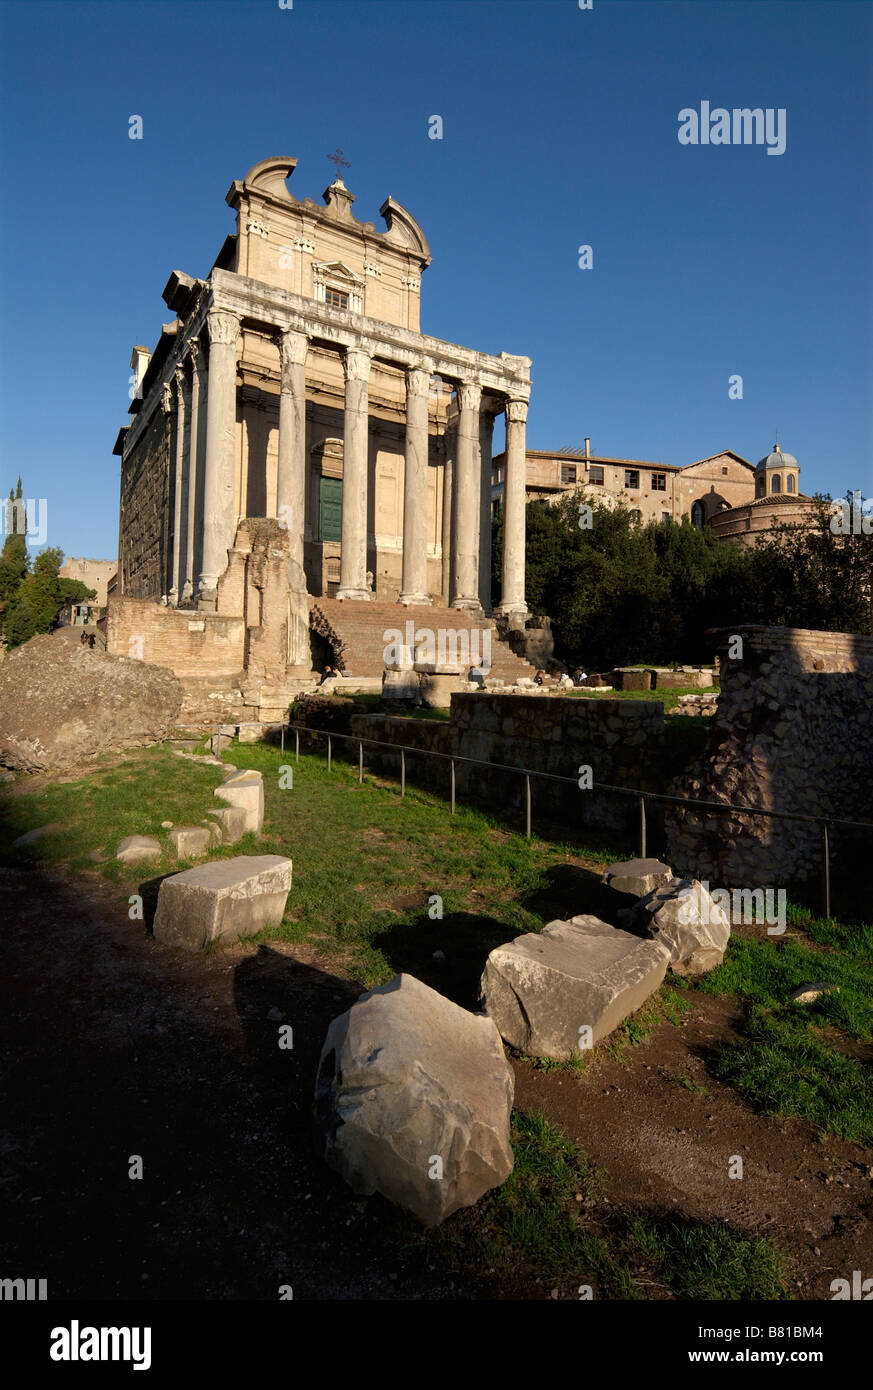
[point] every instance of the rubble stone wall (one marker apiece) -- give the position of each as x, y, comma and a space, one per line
793, 731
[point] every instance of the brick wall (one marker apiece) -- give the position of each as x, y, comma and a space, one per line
200, 645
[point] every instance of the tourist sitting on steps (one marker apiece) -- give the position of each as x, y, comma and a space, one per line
328, 674
539, 678
579, 676
477, 676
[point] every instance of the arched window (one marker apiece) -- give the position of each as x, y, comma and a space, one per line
760, 486
789, 483
698, 515
776, 483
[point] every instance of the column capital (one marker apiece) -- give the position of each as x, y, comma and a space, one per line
469, 395
516, 412
168, 402
418, 381
293, 345
181, 377
195, 354
224, 326
356, 364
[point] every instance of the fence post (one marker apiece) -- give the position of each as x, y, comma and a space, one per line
453, 785
826, 866
527, 804
360, 760
297, 745
402, 773
642, 827
328, 752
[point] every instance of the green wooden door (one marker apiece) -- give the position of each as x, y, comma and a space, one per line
330, 517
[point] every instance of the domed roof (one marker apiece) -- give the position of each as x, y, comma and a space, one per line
778, 459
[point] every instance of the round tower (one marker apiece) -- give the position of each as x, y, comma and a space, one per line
777, 473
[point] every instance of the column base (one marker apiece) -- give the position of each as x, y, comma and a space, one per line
513, 614
469, 605
207, 601
360, 595
415, 600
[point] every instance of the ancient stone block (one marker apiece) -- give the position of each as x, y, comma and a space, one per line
223, 901
231, 823
637, 876
542, 988
413, 1099
190, 841
683, 918
135, 848
245, 789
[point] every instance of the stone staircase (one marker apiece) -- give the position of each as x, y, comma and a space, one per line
360, 628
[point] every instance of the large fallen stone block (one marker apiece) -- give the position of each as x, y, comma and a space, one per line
543, 988
637, 876
190, 841
683, 918
413, 1099
245, 789
222, 901
133, 849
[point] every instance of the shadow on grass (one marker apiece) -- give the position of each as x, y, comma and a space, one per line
465, 941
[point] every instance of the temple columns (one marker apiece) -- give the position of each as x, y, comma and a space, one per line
291, 486
353, 559
219, 479
467, 500
413, 589
512, 602
486, 430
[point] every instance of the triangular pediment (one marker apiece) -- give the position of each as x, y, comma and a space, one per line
338, 270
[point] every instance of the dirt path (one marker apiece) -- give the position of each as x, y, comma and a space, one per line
666, 1147
115, 1046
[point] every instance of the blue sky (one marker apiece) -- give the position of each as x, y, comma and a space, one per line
559, 129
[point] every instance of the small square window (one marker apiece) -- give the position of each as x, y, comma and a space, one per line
632, 478
568, 473
724, 471
665, 516
659, 482
595, 474
336, 299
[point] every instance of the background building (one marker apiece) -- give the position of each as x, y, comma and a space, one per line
724, 490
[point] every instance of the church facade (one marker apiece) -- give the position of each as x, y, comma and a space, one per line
295, 436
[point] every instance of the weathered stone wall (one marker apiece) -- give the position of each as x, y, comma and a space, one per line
793, 731
147, 510
621, 740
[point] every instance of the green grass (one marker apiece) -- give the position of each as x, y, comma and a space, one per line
799, 1059
668, 698
534, 1226
366, 863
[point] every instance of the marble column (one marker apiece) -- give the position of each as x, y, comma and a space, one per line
183, 405
194, 461
353, 558
512, 603
450, 441
413, 589
219, 479
467, 499
486, 430
291, 485
168, 409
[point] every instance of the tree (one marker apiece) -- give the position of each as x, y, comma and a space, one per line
36, 600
